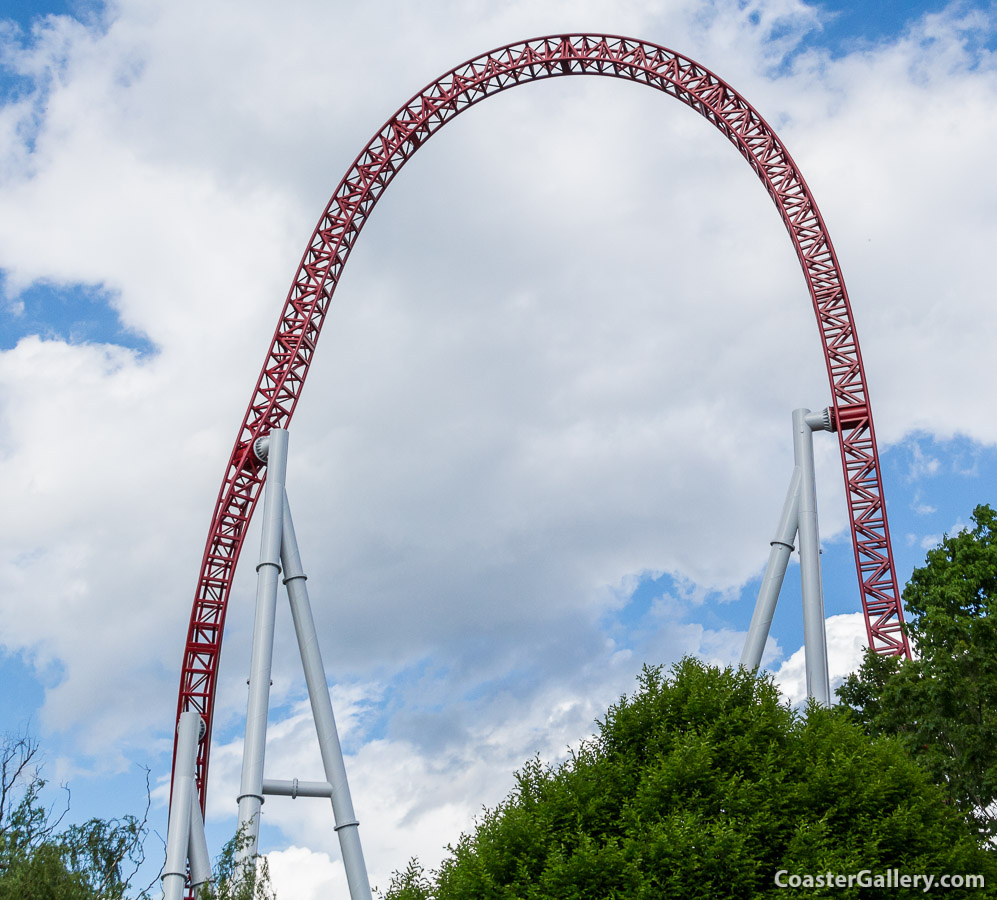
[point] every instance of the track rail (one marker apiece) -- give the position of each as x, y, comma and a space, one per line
279, 386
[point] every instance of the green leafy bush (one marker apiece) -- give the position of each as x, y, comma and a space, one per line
703, 785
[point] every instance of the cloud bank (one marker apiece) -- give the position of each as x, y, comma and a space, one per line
562, 362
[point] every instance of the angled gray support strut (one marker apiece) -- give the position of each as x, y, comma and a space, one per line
799, 516
775, 574
197, 846
347, 826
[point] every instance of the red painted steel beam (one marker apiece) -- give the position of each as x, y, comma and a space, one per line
283, 375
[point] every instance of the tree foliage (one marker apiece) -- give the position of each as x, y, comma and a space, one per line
942, 705
704, 785
96, 860
230, 881
39, 860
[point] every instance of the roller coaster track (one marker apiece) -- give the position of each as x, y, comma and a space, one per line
283, 375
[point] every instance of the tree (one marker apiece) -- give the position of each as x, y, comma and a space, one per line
412, 884
942, 705
38, 861
229, 881
705, 785
97, 860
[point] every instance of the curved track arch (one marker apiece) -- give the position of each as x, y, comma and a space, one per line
283, 375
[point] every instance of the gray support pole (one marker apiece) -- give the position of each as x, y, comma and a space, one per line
325, 722
178, 832
775, 573
814, 635
267, 573
197, 847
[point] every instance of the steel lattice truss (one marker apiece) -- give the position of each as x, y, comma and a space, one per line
279, 386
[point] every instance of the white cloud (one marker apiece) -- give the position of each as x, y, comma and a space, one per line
846, 642
920, 465
564, 355
300, 873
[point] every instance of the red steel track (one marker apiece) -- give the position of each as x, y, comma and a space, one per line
283, 376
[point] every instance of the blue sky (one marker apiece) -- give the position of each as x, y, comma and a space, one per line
854, 24
25, 13
521, 467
